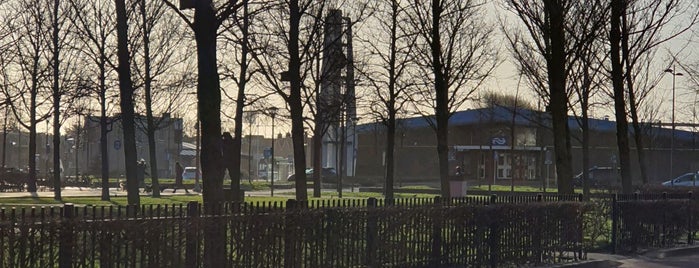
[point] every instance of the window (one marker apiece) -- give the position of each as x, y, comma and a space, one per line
504, 166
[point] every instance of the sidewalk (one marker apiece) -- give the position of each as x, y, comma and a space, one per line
663, 258
83, 191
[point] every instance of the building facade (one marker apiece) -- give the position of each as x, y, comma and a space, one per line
502, 144
168, 138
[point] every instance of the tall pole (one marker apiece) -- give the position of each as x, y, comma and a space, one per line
272, 113
46, 150
342, 154
4, 139
76, 142
674, 73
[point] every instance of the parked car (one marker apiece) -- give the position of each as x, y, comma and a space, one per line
327, 174
687, 179
189, 173
598, 177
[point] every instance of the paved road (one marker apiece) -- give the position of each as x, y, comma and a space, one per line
689, 261
646, 262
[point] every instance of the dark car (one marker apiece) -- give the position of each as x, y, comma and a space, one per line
327, 174
598, 177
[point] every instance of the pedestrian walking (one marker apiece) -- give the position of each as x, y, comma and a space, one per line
179, 170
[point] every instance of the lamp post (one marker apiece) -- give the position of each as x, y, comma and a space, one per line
674, 74
272, 113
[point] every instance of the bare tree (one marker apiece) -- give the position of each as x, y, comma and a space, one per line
287, 49
458, 53
95, 30
237, 38
126, 92
644, 25
292, 44
558, 31
30, 96
64, 84
205, 25
390, 45
155, 71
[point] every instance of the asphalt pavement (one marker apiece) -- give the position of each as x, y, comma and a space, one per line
682, 257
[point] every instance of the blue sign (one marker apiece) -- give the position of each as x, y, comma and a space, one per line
499, 141
117, 144
267, 153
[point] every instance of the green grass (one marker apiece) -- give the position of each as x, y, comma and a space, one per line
175, 199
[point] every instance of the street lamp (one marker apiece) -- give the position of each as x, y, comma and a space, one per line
674, 74
272, 113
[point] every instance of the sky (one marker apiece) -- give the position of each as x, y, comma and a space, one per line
505, 78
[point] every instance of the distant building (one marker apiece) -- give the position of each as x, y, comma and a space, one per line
481, 143
168, 138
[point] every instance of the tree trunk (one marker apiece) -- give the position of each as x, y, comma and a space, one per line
442, 100
559, 99
638, 133
150, 124
127, 104
295, 104
619, 102
391, 124
390, 155
209, 109
209, 102
317, 154
56, 108
31, 183
104, 153
234, 172
585, 150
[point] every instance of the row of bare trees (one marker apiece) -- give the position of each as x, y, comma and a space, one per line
424, 57
59, 61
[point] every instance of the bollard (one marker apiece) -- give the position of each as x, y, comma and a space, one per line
192, 244
615, 222
65, 250
290, 226
371, 232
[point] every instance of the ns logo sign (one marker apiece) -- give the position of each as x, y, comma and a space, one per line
499, 141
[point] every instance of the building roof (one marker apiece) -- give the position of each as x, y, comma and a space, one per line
523, 117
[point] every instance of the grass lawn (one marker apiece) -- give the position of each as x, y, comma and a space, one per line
176, 199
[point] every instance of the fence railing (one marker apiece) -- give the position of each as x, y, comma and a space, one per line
492, 231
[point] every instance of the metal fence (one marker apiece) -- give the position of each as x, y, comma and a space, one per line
643, 221
430, 232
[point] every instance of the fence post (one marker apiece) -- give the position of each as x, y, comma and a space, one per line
539, 229
664, 227
289, 250
371, 232
494, 238
690, 219
581, 226
192, 244
615, 222
436, 254
65, 249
